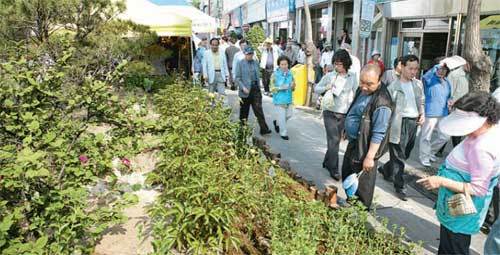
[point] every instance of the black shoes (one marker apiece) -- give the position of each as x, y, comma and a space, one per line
401, 195
276, 127
265, 132
285, 137
381, 171
335, 176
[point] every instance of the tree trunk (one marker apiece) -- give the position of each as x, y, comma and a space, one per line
311, 52
480, 64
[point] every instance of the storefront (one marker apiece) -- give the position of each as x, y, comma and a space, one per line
432, 29
328, 19
257, 13
280, 16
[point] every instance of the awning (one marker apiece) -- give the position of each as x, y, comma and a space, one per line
491, 22
201, 22
164, 24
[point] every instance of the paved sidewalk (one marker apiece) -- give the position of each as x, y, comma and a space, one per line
305, 151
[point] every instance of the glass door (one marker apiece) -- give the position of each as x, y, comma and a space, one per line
412, 44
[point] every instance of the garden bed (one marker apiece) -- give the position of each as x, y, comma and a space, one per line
222, 195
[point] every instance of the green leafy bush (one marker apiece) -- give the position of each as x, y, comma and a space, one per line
256, 36
221, 196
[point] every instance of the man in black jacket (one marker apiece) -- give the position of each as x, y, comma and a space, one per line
366, 127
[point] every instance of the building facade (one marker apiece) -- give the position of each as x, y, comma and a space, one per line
431, 29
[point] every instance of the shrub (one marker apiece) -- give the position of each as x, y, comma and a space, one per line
221, 196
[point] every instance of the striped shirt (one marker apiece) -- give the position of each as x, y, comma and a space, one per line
480, 157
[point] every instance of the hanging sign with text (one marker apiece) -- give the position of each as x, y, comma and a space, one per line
367, 13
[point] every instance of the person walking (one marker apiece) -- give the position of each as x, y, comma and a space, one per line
247, 79
437, 90
392, 74
301, 57
291, 53
215, 70
240, 55
367, 128
282, 86
356, 63
198, 60
492, 245
339, 88
408, 98
375, 59
326, 57
230, 53
268, 62
459, 87
471, 169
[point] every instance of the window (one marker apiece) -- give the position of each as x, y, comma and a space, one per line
412, 24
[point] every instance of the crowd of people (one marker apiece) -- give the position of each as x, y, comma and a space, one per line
379, 111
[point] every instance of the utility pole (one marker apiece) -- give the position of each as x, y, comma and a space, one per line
356, 16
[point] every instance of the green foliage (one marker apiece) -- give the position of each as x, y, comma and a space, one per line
49, 98
42, 18
220, 198
256, 37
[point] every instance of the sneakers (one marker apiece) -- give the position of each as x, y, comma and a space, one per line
401, 195
285, 137
425, 163
276, 127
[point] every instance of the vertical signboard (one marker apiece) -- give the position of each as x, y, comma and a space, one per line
367, 13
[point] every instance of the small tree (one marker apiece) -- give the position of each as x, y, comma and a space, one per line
480, 64
256, 37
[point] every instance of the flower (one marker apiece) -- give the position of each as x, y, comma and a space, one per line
126, 162
83, 159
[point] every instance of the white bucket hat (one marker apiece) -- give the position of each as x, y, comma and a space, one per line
461, 123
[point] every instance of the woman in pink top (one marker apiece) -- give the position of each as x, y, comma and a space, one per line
472, 166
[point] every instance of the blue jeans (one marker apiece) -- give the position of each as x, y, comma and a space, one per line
492, 245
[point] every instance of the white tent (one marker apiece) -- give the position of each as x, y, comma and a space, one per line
201, 22
163, 23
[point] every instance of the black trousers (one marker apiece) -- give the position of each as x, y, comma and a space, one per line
254, 100
367, 180
453, 243
455, 140
400, 152
266, 78
334, 125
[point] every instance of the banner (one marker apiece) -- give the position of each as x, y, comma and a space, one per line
367, 13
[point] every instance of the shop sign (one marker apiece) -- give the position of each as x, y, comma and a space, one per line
256, 11
300, 3
277, 10
367, 12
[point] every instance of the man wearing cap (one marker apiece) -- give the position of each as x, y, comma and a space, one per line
377, 60
366, 125
326, 57
215, 70
247, 79
408, 97
268, 62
